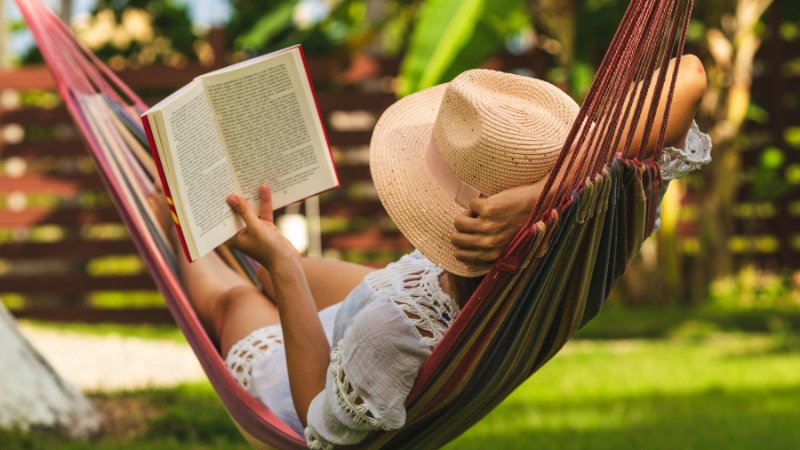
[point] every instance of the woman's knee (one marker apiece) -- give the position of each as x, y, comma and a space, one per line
243, 301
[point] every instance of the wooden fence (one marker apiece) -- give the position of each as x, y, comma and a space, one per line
64, 254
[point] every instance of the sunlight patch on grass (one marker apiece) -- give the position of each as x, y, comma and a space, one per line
142, 331
664, 394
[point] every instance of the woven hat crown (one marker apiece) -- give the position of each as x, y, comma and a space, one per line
497, 131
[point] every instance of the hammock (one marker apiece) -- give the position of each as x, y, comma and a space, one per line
552, 279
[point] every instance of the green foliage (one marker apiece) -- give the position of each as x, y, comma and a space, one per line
751, 288
792, 136
766, 178
170, 19
451, 36
757, 114
268, 26
596, 23
262, 26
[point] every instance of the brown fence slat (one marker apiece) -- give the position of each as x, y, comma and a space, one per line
73, 283
67, 184
372, 239
59, 216
161, 76
66, 249
45, 147
350, 173
351, 208
38, 77
26, 78
349, 101
349, 137
90, 315
36, 116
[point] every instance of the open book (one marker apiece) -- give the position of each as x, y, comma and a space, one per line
231, 130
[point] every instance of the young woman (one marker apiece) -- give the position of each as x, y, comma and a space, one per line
333, 348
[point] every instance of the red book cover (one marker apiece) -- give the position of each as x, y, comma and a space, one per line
173, 211
319, 115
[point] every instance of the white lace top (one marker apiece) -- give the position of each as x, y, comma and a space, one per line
376, 359
696, 152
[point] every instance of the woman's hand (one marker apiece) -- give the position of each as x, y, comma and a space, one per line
260, 238
485, 230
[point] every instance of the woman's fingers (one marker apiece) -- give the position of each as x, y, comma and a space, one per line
242, 209
465, 223
266, 203
470, 241
479, 257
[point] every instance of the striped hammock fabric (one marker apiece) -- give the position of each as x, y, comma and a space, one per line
553, 278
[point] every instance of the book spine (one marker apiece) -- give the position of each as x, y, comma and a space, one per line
173, 212
319, 114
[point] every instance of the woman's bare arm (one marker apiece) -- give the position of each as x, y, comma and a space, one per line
483, 232
307, 349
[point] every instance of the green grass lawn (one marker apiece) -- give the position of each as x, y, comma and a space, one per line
696, 382
727, 391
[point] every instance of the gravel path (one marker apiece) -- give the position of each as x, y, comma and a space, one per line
112, 363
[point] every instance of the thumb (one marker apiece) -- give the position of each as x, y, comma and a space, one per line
242, 209
266, 203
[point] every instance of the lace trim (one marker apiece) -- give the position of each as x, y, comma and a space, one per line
346, 396
258, 344
413, 284
315, 443
676, 162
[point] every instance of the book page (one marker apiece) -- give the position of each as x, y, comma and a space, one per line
269, 123
202, 171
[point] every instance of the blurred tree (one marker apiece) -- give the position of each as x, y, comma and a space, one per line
172, 39
5, 50
733, 37
66, 10
727, 36
439, 38
338, 29
451, 36
137, 32
322, 26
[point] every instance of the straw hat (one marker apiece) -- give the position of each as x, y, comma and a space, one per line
434, 151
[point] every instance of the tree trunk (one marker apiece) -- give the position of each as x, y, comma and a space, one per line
558, 18
733, 49
5, 50
66, 11
732, 46
33, 395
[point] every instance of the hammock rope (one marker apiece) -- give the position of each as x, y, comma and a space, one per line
551, 280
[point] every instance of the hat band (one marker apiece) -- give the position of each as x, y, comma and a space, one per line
459, 190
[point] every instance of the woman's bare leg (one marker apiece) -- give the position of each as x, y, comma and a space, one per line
229, 306
330, 280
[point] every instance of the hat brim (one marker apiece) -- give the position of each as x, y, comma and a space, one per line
410, 193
